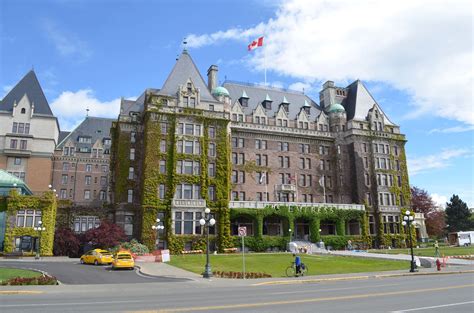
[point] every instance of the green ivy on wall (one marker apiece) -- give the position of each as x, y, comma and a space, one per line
46, 203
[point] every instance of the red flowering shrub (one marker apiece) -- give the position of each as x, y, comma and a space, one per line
107, 235
65, 242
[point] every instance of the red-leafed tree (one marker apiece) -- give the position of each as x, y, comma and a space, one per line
65, 242
107, 235
435, 219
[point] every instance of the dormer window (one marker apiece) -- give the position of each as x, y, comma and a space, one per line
23, 110
307, 110
244, 102
83, 139
107, 141
190, 88
267, 103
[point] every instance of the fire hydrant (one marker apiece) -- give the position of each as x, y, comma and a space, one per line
438, 265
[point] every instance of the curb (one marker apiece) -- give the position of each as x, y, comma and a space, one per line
20, 292
317, 280
138, 267
42, 272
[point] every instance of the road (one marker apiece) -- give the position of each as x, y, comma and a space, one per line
79, 274
433, 294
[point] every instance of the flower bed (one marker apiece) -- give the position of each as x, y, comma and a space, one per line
20, 281
240, 275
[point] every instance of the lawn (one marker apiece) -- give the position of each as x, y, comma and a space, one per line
7, 273
447, 251
275, 264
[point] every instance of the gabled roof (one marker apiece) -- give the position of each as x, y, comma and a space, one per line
30, 86
183, 70
96, 128
359, 101
258, 93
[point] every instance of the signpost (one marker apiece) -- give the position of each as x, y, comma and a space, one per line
242, 234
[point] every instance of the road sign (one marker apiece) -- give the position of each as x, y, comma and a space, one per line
242, 231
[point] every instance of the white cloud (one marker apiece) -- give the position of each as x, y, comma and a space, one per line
66, 43
455, 129
5, 90
434, 161
70, 107
421, 47
440, 200
301, 86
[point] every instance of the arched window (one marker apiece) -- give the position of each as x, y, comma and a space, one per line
23, 110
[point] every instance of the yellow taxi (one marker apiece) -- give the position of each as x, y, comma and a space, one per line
96, 257
123, 259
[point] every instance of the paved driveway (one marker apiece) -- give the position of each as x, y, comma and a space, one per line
75, 273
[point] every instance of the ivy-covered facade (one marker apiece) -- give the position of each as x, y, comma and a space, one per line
269, 159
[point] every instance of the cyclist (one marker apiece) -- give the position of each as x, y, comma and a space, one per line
297, 264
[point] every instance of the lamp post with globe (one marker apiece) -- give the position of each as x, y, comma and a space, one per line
408, 221
40, 228
158, 227
207, 221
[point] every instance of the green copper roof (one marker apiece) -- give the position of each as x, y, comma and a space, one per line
336, 107
10, 181
220, 91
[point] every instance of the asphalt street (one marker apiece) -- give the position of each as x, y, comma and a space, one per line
79, 274
433, 294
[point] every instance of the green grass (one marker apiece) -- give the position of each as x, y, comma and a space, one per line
447, 251
276, 264
7, 273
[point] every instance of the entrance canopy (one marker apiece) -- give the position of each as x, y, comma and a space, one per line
9, 182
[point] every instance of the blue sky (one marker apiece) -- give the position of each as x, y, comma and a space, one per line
417, 66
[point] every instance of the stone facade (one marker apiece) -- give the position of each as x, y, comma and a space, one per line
284, 148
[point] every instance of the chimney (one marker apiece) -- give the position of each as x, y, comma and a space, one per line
212, 77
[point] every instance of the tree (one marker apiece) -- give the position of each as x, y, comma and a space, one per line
421, 201
458, 216
65, 242
435, 223
107, 235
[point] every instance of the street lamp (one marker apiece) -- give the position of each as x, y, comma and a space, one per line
407, 221
208, 221
40, 228
157, 227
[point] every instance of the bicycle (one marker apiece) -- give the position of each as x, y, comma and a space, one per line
291, 270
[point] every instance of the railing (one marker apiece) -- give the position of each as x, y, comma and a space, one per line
264, 204
281, 129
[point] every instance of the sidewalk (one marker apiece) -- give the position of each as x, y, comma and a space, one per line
164, 269
403, 257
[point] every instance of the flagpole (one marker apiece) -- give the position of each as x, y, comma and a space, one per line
265, 64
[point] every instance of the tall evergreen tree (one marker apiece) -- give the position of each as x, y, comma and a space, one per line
458, 216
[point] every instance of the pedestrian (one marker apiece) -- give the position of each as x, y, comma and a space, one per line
297, 264
436, 246
349, 245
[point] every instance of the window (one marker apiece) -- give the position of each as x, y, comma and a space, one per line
262, 178
212, 132
88, 167
133, 137
17, 161
132, 154
188, 191
262, 196
163, 145
161, 191
162, 166
13, 143
63, 193
187, 223
84, 223
283, 146
23, 144
190, 147
104, 168
304, 148
28, 218
212, 149
130, 195
211, 193
211, 107
87, 194
367, 179
103, 180
64, 179
368, 198
260, 144
15, 127
211, 170
395, 150
88, 180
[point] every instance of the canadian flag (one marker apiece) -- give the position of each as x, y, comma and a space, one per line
256, 43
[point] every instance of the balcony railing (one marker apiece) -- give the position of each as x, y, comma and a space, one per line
265, 204
285, 188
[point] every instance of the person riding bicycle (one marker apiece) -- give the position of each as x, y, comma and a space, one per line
297, 263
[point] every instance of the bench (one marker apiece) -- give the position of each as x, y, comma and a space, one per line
230, 250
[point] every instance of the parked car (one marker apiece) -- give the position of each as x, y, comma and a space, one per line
123, 259
96, 257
